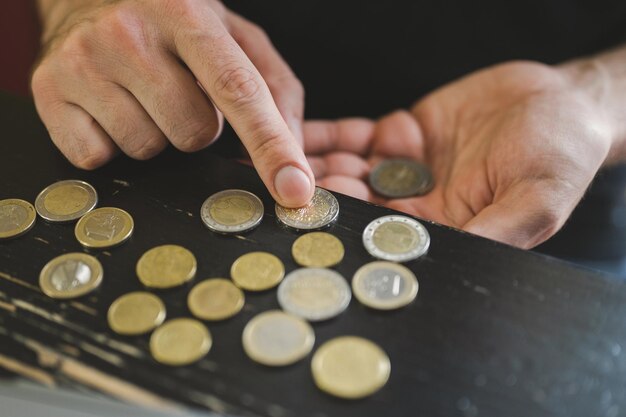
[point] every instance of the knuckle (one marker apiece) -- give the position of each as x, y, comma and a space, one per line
238, 85
269, 145
197, 136
41, 81
145, 148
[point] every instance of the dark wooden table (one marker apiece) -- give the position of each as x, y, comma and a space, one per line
495, 331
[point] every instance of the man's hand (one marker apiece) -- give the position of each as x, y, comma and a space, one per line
512, 149
137, 74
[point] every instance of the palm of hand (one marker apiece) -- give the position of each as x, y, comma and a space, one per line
511, 148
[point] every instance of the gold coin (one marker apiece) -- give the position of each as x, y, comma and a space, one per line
104, 227
257, 271
232, 211
180, 342
71, 275
136, 313
276, 338
65, 201
317, 249
215, 299
166, 266
350, 367
16, 217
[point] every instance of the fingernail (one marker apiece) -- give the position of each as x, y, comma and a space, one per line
293, 186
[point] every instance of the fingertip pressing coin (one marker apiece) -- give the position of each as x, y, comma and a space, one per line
104, 227
215, 299
16, 218
232, 211
396, 238
257, 271
350, 367
166, 346
317, 249
70, 276
322, 210
136, 313
166, 266
65, 201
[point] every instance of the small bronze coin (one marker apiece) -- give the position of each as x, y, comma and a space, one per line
215, 299
257, 271
180, 342
317, 249
166, 266
136, 313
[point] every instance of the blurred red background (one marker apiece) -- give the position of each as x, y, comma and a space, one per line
19, 43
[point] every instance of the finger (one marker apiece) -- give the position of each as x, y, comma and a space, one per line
318, 166
286, 89
399, 135
346, 164
350, 135
124, 120
238, 90
348, 186
524, 217
78, 136
429, 207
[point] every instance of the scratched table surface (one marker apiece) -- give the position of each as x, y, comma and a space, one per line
494, 331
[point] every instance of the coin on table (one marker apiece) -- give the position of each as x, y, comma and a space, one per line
275, 338
71, 275
136, 313
16, 217
180, 342
65, 201
104, 227
317, 249
257, 271
399, 178
232, 211
166, 266
322, 210
396, 238
350, 367
314, 294
384, 285
215, 299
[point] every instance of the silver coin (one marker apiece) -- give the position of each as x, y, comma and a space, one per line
314, 294
65, 201
71, 275
232, 211
399, 178
322, 210
396, 238
276, 338
384, 285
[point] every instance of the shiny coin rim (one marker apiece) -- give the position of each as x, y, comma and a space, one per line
391, 304
28, 224
375, 251
202, 350
193, 302
281, 214
215, 226
302, 273
148, 283
86, 241
304, 261
417, 191
257, 355
244, 285
135, 297
50, 217
94, 265
325, 383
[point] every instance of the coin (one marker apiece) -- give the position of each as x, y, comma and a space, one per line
384, 285
65, 201
232, 211
275, 338
398, 178
257, 271
396, 238
71, 275
16, 218
180, 342
104, 227
350, 367
322, 210
136, 313
314, 294
317, 249
166, 266
215, 299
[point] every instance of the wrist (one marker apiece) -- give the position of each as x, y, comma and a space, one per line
602, 81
